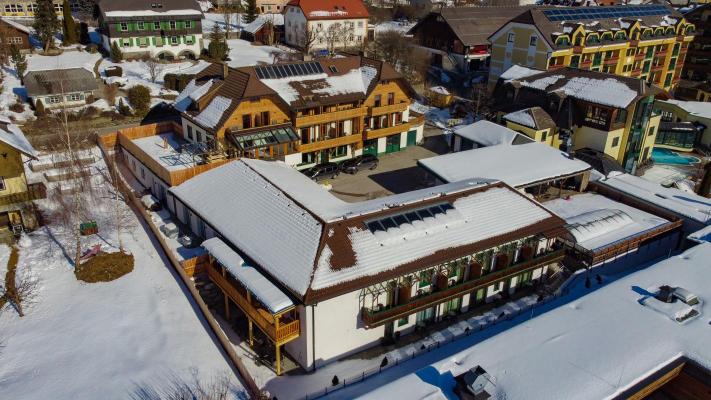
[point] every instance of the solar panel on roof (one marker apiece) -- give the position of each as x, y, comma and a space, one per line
609, 12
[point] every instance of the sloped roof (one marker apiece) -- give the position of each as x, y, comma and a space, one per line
332, 9
40, 83
24, 28
296, 85
552, 28
324, 247
12, 135
473, 25
534, 118
142, 8
486, 133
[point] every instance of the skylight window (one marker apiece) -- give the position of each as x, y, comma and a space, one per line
333, 69
395, 221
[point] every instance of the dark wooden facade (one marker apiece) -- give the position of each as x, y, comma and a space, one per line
12, 34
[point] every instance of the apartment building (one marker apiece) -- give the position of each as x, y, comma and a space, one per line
697, 66
326, 25
25, 8
166, 29
342, 277
649, 42
302, 113
601, 111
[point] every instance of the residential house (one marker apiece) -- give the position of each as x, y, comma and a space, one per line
604, 112
326, 25
266, 28
343, 277
685, 124
484, 134
164, 29
271, 6
25, 8
698, 60
61, 88
644, 41
303, 113
535, 123
456, 38
16, 194
14, 33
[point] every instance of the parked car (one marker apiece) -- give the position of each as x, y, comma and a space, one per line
355, 164
323, 171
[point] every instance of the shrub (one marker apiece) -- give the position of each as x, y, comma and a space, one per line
139, 97
335, 380
17, 107
116, 53
92, 48
104, 267
91, 112
39, 109
123, 109
84, 37
177, 82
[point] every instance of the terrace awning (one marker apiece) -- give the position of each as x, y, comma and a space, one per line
263, 137
263, 290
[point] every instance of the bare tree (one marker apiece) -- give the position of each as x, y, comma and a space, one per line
338, 35
216, 388
4, 48
308, 39
228, 13
154, 67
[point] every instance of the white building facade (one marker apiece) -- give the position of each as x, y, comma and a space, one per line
338, 28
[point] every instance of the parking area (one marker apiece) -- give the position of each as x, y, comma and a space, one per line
396, 173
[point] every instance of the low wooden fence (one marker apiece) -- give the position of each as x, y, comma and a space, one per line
225, 343
196, 265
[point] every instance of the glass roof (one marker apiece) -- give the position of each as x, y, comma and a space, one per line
394, 221
265, 138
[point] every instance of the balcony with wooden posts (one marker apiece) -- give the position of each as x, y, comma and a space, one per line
639, 57
443, 292
388, 108
35, 191
611, 60
657, 68
395, 129
329, 142
333, 116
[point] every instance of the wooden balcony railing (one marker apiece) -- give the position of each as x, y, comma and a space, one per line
387, 109
611, 60
265, 321
329, 143
639, 57
308, 120
391, 130
35, 191
373, 318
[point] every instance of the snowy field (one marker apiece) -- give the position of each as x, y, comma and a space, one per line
66, 60
124, 339
138, 73
243, 53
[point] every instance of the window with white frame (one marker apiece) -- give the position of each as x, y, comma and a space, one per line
174, 40
156, 25
32, 7
58, 7
173, 25
2, 183
533, 41
123, 26
14, 40
75, 97
360, 24
141, 25
13, 8
188, 24
511, 37
126, 42
53, 99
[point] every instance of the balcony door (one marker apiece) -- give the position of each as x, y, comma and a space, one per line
425, 316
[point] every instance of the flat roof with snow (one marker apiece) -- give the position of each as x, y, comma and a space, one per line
684, 204
167, 150
327, 247
487, 133
595, 347
596, 221
519, 166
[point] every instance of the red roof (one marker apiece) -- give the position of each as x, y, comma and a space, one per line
331, 9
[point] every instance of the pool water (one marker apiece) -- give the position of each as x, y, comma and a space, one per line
666, 156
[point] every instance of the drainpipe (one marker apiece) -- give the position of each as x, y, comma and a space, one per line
313, 336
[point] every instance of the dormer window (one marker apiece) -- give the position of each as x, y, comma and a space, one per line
333, 69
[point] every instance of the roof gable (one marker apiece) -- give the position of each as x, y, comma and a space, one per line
331, 9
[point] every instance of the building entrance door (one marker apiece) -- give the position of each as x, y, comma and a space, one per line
392, 144
411, 138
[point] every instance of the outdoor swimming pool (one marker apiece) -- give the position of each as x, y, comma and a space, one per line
666, 156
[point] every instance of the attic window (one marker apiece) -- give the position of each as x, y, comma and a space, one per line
156, 5
333, 69
394, 221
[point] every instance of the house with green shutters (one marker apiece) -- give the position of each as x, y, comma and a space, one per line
164, 29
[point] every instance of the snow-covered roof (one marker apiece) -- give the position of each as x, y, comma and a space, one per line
698, 108
254, 26
191, 93
521, 117
518, 166
212, 114
325, 242
165, 149
24, 28
702, 235
487, 133
682, 203
262, 288
608, 91
440, 90
596, 221
12, 135
595, 347
153, 13
518, 72
355, 81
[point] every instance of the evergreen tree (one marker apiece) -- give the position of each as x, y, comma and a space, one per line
69, 26
46, 23
123, 109
19, 60
218, 48
139, 97
116, 53
251, 12
39, 109
84, 37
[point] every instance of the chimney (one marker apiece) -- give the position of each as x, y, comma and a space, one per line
705, 187
225, 70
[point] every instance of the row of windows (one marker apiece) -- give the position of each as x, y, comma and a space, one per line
18, 8
69, 97
141, 25
145, 42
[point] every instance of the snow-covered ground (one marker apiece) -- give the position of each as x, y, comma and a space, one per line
138, 73
397, 26
12, 91
212, 19
120, 339
243, 53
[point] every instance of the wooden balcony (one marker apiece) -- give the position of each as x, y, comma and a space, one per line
637, 72
391, 130
323, 118
555, 67
373, 318
611, 61
329, 143
35, 191
269, 323
388, 109
639, 57
656, 68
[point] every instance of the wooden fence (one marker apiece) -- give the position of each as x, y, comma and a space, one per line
196, 265
225, 343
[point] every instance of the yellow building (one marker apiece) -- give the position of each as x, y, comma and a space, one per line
26, 8
16, 195
647, 41
581, 109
